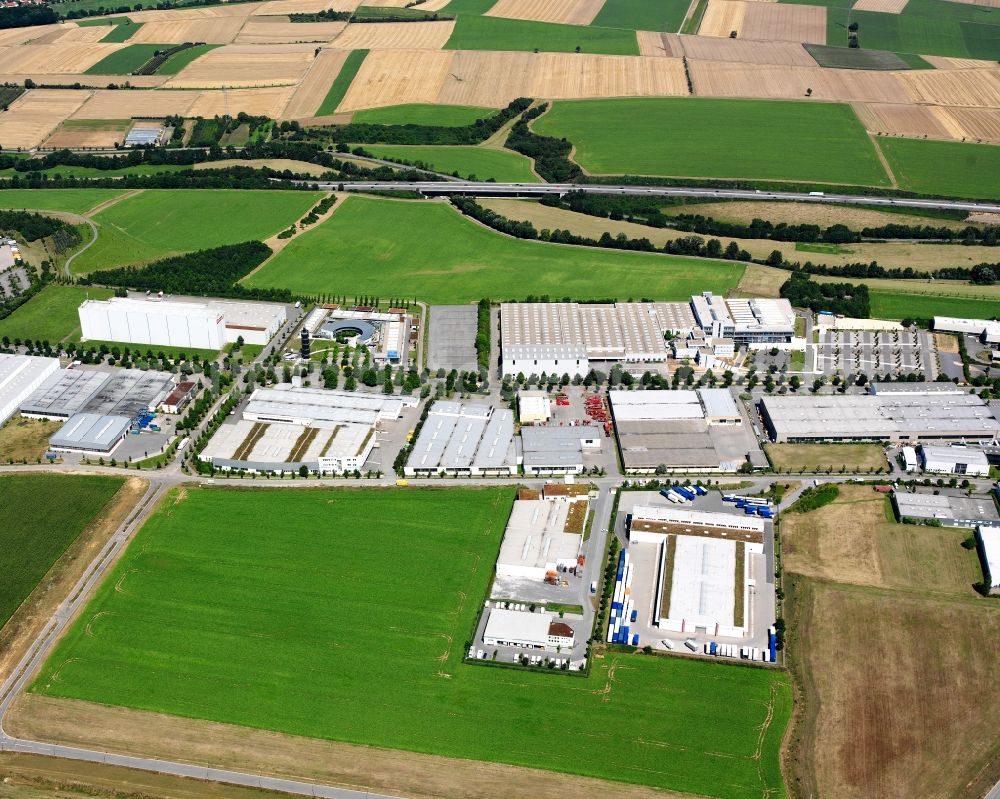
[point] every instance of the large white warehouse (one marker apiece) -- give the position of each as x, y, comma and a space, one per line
20, 375
196, 325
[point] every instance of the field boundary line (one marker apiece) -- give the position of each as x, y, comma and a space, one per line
277, 245
103, 206
885, 161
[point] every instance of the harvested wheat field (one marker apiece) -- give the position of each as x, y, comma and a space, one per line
652, 43
396, 35
981, 124
211, 12
86, 81
765, 21
245, 66
977, 88
15, 36
81, 133
255, 32
884, 6
722, 17
48, 58
310, 93
302, 7
218, 30
430, 5
397, 77
110, 104
33, 116
569, 12
269, 102
984, 3
73, 34
719, 79
941, 62
901, 119
705, 48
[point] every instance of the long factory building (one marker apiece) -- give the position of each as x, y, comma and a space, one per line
20, 375
205, 325
460, 438
566, 337
921, 412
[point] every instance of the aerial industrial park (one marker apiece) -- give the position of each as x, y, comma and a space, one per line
478, 398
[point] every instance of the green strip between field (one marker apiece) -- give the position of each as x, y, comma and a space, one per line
342, 82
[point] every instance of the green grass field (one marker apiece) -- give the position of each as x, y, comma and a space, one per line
694, 137
158, 223
428, 250
496, 33
954, 169
424, 114
126, 60
51, 315
342, 82
899, 305
483, 162
307, 628
178, 61
76, 201
33, 541
930, 27
122, 32
91, 172
642, 15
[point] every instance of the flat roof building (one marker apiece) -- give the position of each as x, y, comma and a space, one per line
558, 450
322, 407
524, 630
745, 321
950, 510
464, 439
955, 460
91, 433
904, 416
535, 544
534, 407
987, 330
988, 539
20, 376
64, 393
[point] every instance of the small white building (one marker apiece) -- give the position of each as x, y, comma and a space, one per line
988, 539
955, 460
526, 630
910, 462
534, 407
535, 544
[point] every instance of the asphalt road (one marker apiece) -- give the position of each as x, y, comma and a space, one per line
478, 189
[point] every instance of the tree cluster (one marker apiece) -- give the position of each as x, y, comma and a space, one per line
848, 299
483, 334
31, 226
26, 16
551, 155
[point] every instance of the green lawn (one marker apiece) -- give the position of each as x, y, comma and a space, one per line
469, 6
342, 82
428, 250
122, 31
424, 114
642, 15
899, 305
954, 169
31, 540
91, 172
496, 33
695, 137
157, 223
51, 315
483, 162
178, 61
76, 201
930, 27
313, 628
127, 60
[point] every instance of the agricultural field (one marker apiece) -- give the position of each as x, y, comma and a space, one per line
179, 61
33, 541
813, 457
51, 315
383, 247
495, 33
952, 169
24, 439
338, 88
76, 201
126, 60
424, 114
154, 224
664, 15
79, 133
482, 162
900, 305
267, 651
912, 723
773, 140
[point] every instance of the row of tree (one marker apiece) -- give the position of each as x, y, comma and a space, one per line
551, 155
848, 299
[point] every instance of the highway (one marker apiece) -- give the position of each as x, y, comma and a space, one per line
479, 189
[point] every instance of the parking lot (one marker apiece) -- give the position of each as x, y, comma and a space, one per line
452, 343
875, 353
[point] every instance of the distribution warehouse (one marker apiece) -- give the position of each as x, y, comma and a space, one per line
205, 325
923, 411
567, 337
536, 544
20, 375
460, 438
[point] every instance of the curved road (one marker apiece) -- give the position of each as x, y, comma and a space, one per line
478, 189
83, 249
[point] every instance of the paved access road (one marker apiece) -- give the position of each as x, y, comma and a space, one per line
476, 189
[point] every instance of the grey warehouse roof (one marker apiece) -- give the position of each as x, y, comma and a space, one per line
64, 393
91, 431
947, 508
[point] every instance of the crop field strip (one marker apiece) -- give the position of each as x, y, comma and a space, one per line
158, 600
246, 65
395, 36
89, 133
313, 88
258, 32
569, 12
34, 116
764, 21
420, 248
55, 58
499, 34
